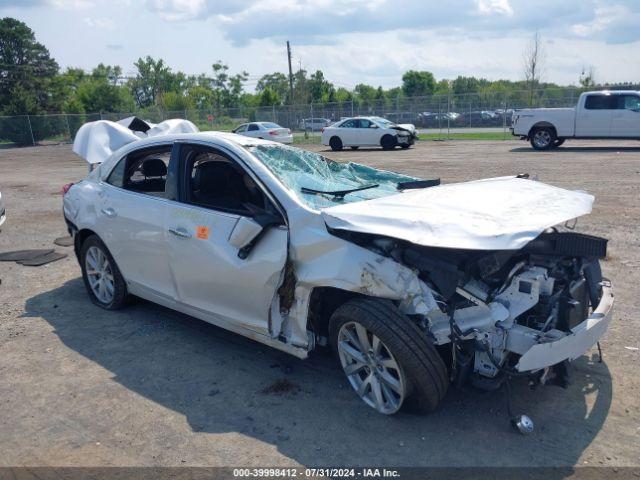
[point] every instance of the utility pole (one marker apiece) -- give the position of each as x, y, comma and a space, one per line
290, 73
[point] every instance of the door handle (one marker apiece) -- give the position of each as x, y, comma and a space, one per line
109, 212
180, 232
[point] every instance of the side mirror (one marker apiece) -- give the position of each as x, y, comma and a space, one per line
247, 232
373, 125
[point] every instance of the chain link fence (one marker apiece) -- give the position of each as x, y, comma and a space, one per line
437, 113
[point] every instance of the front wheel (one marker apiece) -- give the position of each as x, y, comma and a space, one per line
388, 142
101, 275
542, 138
558, 142
335, 143
387, 360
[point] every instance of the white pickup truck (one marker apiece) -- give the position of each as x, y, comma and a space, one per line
601, 114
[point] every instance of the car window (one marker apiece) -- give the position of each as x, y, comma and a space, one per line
364, 123
241, 128
212, 180
271, 125
599, 102
143, 171
349, 124
253, 127
629, 102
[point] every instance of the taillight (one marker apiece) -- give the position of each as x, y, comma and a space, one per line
273, 132
66, 187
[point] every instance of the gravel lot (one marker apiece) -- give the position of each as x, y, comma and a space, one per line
147, 386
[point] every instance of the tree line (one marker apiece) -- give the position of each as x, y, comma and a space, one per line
31, 82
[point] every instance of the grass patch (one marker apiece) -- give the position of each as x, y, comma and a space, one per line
467, 136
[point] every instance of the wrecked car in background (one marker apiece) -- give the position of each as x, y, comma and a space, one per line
414, 284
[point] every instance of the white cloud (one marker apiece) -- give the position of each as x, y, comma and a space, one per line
105, 23
489, 7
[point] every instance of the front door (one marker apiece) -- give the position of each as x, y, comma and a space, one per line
215, 194
594, 118
625, 121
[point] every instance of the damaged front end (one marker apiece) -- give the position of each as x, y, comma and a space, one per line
508, 312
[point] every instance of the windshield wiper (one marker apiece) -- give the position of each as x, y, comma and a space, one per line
338, 193
418, 184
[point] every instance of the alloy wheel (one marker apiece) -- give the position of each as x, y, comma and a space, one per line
371, 368
100, 275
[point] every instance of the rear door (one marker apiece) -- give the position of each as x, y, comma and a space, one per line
348, 132
216, 193
368, 132
594, 118
625, 121
253, 130
135, 199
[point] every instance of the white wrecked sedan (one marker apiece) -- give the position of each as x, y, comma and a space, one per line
414, 284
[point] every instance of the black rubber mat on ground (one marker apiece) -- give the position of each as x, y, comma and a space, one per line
20, 255
43, 259
64, 241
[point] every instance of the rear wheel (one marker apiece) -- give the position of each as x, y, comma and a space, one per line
386, 358
388, 142
542, 138
101, 275
335, 143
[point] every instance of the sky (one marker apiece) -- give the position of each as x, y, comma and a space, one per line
357, 41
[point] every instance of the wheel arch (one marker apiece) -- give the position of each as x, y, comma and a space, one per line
542, 124
323, 301
79, 238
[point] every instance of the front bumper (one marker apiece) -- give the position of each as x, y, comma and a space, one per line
582, 337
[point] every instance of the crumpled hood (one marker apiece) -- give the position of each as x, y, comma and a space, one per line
408, 126
502, 213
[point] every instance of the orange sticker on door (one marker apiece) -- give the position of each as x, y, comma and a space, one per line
202, 232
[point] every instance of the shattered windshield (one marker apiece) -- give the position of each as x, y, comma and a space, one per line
302, 171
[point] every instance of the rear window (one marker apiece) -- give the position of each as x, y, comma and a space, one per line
600, 102
270, 125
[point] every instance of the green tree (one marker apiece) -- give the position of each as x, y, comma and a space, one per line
268, 97
319, 88
153, 78
417, 84
277, 82
26, 70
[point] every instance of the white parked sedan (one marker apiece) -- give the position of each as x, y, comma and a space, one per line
414, 284
266, 131
368, 132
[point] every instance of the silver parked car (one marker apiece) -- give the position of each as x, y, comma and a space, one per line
413, 284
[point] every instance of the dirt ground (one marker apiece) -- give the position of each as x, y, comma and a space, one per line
146, 386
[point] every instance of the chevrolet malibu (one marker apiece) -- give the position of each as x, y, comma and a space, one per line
414, 284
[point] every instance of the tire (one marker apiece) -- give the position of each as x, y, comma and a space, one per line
421, 378
388, 142
335, 143
115, 297
354, 147
558, 142
405, 146
542, 138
